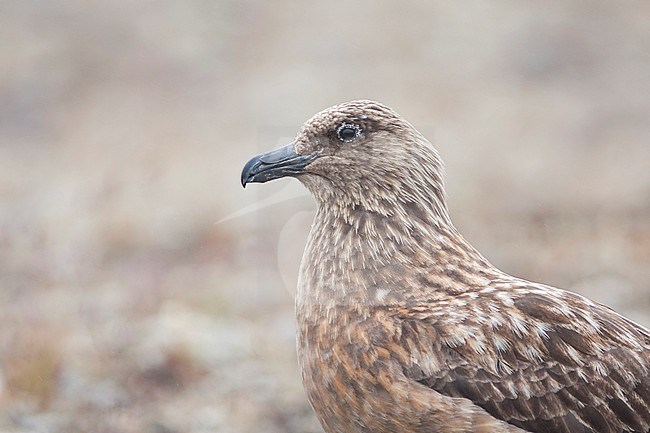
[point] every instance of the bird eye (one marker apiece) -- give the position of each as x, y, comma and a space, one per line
347, 132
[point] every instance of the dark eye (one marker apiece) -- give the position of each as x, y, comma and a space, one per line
347, 132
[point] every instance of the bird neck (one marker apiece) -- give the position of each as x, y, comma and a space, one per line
360, 258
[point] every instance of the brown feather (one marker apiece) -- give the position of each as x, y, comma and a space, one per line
404, 327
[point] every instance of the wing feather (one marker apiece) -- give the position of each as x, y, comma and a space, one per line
557, 362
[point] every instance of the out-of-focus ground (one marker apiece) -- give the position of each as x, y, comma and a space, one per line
128, 305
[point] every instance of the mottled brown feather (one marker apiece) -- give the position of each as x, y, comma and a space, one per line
404, 327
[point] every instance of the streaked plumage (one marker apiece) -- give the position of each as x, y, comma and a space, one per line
404, 327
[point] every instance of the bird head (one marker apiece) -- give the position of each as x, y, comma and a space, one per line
358, 154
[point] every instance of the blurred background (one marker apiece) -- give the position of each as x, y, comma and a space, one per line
143, 290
